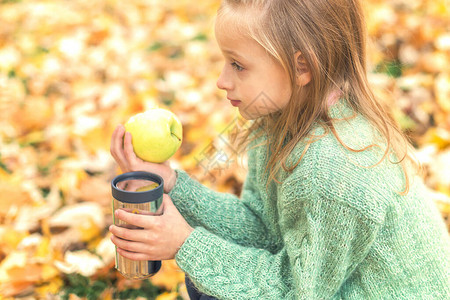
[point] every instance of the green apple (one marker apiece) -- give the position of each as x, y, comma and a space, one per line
156, 134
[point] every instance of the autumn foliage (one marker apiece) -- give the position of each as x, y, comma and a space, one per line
70, 71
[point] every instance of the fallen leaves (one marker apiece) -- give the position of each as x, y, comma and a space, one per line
168, 277
28, 266
16, 196
70, 71
82, 262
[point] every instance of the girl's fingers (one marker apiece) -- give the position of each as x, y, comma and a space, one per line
130, 156
116, 139
134, 255
129, 245
128, 234
116, 147
143, 221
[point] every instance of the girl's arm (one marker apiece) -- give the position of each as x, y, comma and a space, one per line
324, 239
226, 215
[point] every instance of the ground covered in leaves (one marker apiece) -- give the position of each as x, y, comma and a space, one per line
70, 71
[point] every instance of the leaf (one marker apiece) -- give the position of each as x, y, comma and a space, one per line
106, 249
13, 193
10, 238
438, 137
44, 249
32, 273
11, 289
14, 259
167, 296
18, 274
77, 215
76, 224
81, 262
29, 217
442, 90
34, 115
96, 138
69, 178
95, 189
169, 277
50, 288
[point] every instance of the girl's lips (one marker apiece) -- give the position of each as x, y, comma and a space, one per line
235, 102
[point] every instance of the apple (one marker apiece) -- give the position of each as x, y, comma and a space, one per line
156, 134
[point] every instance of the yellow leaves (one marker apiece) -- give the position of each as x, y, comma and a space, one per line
88, 231
106, 250
44, 249
9, 57
23, 277
442, 90
82, 262
80, 223
49, 288
16, 259
439, 7
10, 238
437, 136
48, 272
13, 193
442, 200
411, 54
69, 180
18, 273
95, 189
167, 296
69, 73
434, 62
442, 42
96, 138
444, 204
33, 114
169, 277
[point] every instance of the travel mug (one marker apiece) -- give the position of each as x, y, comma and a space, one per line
139, 193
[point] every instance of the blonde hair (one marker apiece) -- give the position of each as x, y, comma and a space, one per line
331, 36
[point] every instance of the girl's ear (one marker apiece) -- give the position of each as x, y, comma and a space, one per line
303, 74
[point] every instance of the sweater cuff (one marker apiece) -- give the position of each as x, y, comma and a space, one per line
195, 253
179, 189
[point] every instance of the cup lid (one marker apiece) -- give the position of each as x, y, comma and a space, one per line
137, 187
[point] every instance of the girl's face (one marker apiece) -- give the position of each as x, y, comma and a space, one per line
254, 81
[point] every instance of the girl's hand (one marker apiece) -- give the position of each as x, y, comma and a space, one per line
123, 153
160, 237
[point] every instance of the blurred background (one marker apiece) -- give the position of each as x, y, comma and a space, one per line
70, 71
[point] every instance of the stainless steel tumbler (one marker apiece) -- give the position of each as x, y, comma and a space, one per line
139, 193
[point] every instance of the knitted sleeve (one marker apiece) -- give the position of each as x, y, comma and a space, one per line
324, 240
224, 214
325, 236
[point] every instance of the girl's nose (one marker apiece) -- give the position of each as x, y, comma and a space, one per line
224, 81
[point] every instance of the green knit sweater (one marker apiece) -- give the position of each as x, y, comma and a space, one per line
334, 228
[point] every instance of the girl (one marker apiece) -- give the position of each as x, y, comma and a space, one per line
331, 207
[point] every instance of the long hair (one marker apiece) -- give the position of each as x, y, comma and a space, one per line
331, 35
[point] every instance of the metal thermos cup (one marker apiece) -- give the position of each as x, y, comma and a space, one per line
139, 193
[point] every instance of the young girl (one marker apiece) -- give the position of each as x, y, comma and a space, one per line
331, 207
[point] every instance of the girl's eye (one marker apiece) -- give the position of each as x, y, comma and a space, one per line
236, 66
